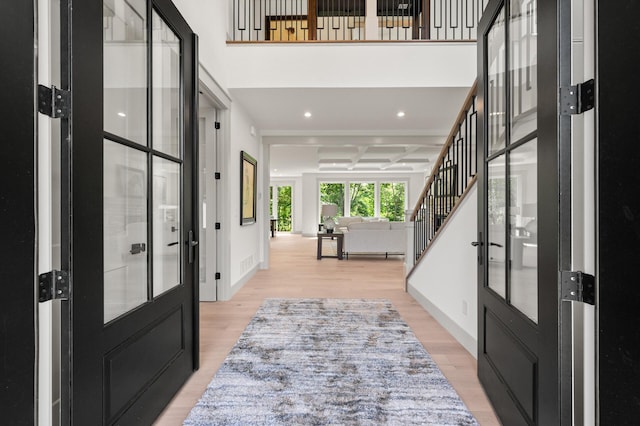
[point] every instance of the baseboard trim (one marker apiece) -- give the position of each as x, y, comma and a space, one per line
464, 338
242, 281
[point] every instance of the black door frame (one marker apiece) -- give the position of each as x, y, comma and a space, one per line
553, 332
83, 366
17, 210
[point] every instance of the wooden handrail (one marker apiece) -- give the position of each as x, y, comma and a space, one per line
462, 116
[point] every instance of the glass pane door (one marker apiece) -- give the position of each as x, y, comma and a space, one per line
511, 157
142, 174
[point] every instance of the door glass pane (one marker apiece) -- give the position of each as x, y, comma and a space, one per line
523, 36
125, 69
496, 97
125, 229
166, 88
362, 196
204, 169
497, 224
523, 233
167, 249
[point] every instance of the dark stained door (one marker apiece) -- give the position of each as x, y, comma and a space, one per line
17, 215
618, 156
132, 224
518, 314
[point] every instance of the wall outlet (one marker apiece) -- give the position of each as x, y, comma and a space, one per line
465, 307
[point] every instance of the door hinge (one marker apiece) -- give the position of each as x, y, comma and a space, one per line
216, 175
217, 275
217, 125
576, 286
53, 285
577, 99
54, 102
217, 225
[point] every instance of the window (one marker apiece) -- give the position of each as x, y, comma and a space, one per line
362, 199
332, 193
284, 208
366, 199
392, 201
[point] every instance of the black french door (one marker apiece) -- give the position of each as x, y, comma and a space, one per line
519, 312
17, 214
132, 257
618, 210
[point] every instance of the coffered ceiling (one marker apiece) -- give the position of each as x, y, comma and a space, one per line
352, 130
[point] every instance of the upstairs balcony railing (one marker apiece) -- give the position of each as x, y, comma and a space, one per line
454, 172
353, 20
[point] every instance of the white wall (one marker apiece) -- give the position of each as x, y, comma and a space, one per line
369, 64
445, 282
244, 241
210, 20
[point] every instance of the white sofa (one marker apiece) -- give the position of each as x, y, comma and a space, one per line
343, 222
375, 237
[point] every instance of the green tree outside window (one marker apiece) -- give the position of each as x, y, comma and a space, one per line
362, 199
284, 208
332, 193
392, 201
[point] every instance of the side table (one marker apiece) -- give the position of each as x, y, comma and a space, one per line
339, 236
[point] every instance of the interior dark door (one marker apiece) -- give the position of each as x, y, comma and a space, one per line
518, 335
618, 155
132, 258
17, 214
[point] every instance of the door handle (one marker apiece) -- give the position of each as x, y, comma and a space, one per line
192, 246
496, 245
476, 243
138, 248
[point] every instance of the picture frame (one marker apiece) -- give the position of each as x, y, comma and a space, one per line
248, 194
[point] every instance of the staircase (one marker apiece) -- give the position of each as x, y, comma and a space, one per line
453, 175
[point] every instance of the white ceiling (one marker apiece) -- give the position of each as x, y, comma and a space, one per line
352, 129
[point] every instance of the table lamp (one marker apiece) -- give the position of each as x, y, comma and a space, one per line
327, 212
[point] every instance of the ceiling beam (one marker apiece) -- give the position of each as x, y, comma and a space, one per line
396, 158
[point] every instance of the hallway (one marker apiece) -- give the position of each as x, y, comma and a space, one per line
295, 273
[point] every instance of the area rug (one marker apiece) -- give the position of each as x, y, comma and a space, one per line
329, 362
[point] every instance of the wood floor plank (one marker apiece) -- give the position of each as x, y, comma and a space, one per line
295, 272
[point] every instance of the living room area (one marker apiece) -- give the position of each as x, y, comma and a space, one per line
355, 217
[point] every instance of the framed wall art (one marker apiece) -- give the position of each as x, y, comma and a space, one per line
248, 178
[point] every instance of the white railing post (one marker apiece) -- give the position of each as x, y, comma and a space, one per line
409, 254
371, 20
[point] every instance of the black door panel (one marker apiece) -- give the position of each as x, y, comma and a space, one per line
132, 335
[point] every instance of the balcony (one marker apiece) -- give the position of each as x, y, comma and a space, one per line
355, 20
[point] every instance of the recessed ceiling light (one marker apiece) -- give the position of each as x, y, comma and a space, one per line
122, 114
307, 114
400, 113
275, 170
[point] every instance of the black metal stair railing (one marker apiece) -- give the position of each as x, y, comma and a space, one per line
453, 174
346, 20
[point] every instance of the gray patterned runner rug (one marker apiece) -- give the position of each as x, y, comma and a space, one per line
329, 362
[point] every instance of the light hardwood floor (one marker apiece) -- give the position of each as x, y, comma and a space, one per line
295, 272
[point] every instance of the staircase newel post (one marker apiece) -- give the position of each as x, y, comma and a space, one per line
409, 251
